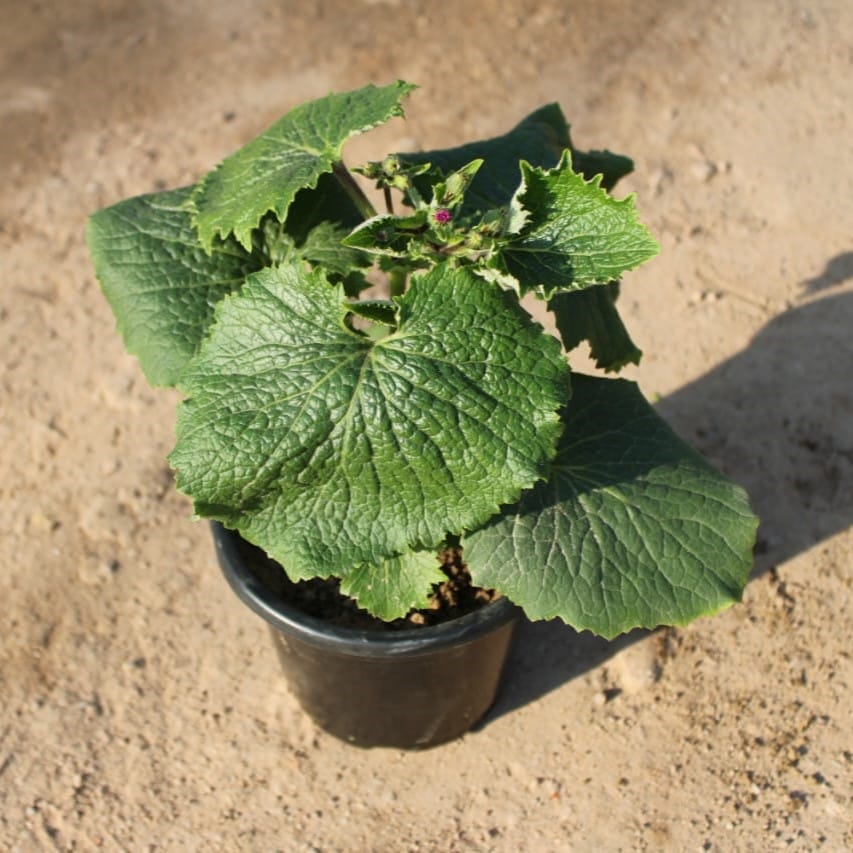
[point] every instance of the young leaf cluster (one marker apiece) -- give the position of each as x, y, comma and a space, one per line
351, 435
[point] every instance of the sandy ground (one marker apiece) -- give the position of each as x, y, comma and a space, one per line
142, 707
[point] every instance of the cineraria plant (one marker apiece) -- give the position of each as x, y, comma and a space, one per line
352, 437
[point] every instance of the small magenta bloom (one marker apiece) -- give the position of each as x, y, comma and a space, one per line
442, 215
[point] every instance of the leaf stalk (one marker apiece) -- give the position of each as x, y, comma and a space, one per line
353, 190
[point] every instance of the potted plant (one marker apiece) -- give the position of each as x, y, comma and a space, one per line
349, 432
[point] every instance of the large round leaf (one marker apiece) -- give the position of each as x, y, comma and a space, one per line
160, 283
329, 449
632, 529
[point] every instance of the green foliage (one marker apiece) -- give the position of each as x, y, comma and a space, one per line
632, 528
266, 174
591, 315
569, 234
159, 282
330, 449
351, 436
540, 139
393, 587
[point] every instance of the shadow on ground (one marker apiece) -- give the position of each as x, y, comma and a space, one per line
795, 459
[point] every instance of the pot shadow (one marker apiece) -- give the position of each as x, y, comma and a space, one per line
776, 418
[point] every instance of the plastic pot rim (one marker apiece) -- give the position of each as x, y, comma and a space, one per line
291, 621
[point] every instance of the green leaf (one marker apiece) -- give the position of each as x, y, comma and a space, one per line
329, 450
610, 166
540, 138
633, 528
323, 247
396, 585
451, 191
328, 202
591, 315
266, 174
384, 234
573, 234
159, 281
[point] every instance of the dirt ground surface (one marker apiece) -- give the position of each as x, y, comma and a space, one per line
142, 707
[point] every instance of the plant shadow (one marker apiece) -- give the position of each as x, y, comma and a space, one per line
776, 418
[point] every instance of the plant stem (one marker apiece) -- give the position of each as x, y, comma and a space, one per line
353, 190
389, 203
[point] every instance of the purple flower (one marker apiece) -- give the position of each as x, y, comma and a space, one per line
442, 215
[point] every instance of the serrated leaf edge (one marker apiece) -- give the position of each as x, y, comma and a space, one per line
243, 235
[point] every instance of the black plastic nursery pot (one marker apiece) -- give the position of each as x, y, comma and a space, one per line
411, 688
